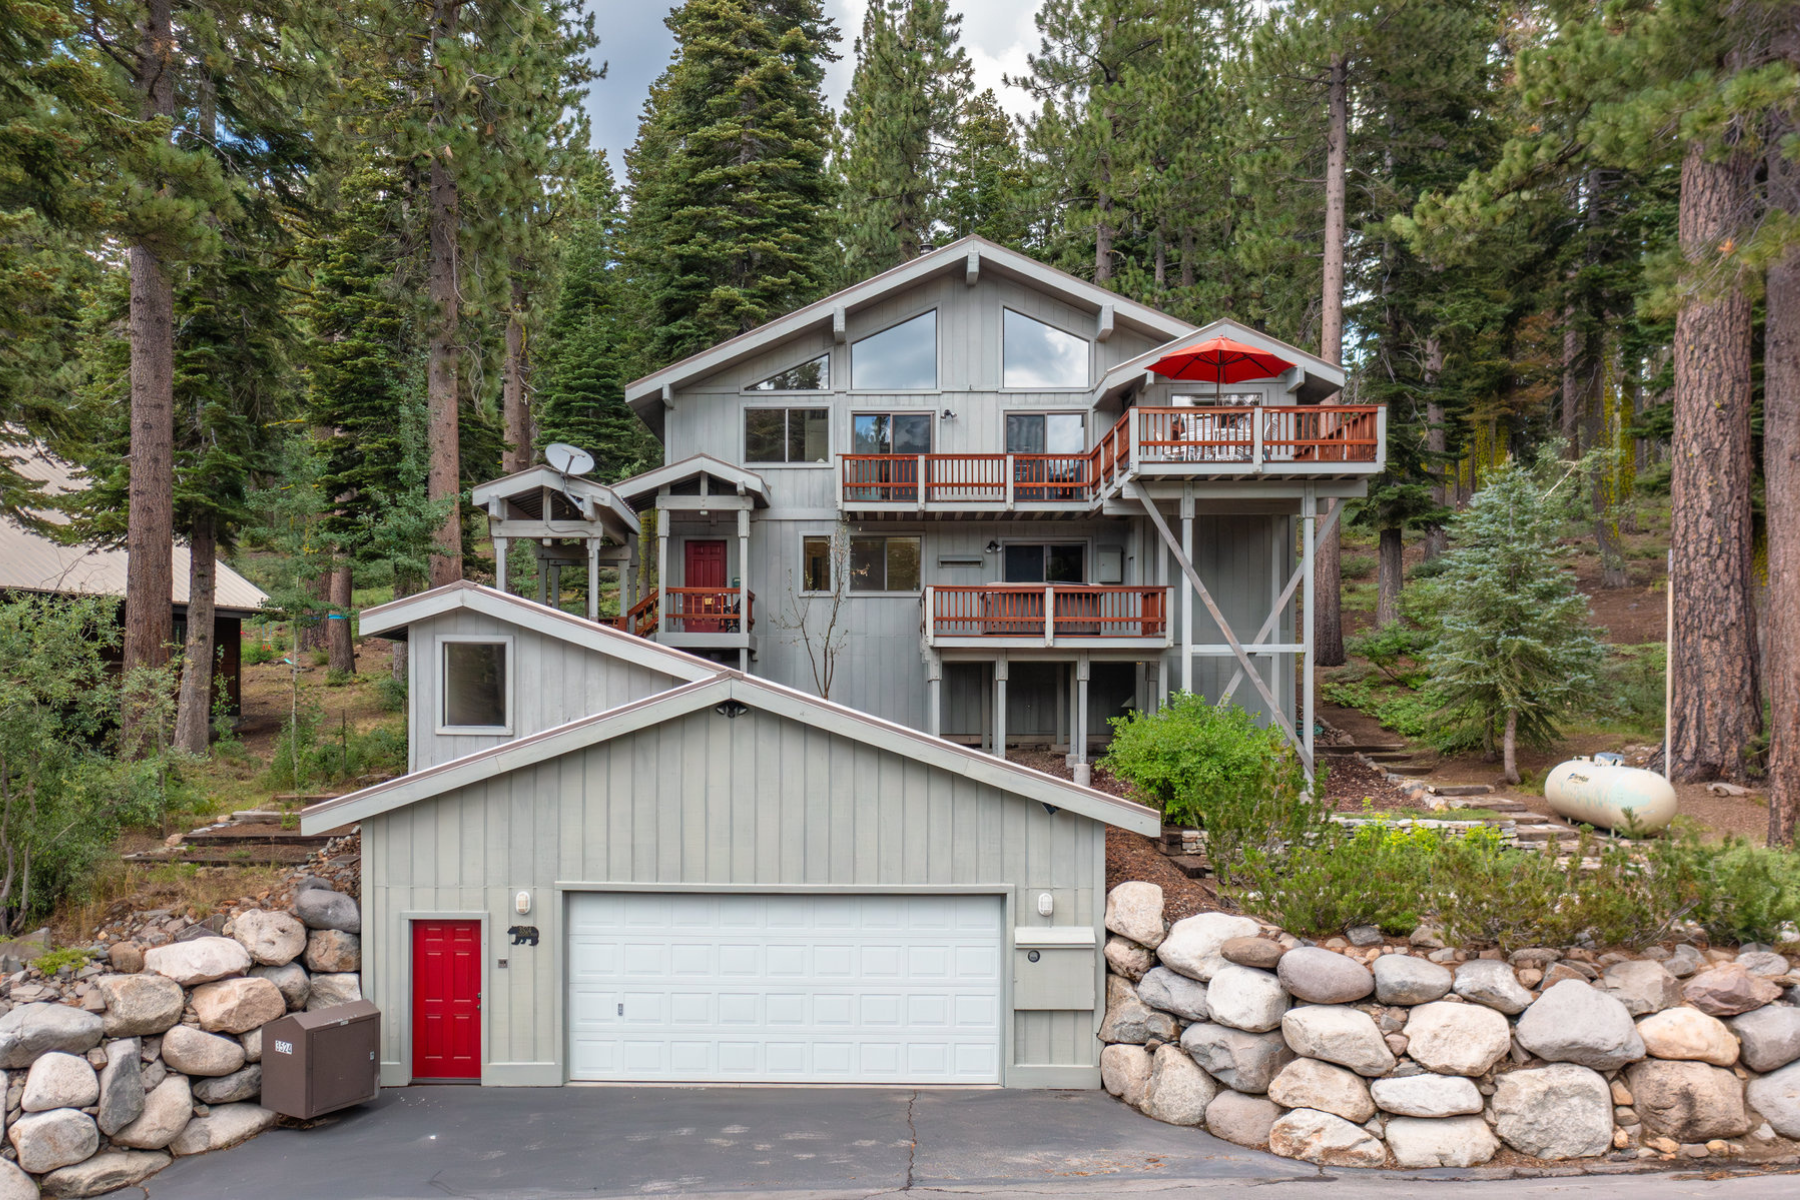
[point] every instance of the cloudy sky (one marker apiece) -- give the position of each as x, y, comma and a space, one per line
636, 45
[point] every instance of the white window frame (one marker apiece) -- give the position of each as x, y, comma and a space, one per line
1029, 391
800, 587
850, 590
937, 358
785, 405
443, 685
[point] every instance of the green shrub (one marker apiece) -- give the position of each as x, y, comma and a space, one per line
1395, 650
257, 653
390, 693
1357, 566
321, 657
337, 677
1192, 757
56, 960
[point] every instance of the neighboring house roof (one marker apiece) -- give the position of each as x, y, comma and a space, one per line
641, 489
759, 694
391, 619
524, 489
646, 395
32, 562
1312, 379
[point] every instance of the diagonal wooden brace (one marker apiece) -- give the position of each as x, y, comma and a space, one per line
1237, 649
1287, 593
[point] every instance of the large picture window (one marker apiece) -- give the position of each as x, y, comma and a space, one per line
890, 433
901, 358
1046, 433
786, 435
1036, 355
884, 564
1037, 562
814, 376
476, 691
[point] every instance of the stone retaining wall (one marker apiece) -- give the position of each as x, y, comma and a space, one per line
114, 1070
1417, 1055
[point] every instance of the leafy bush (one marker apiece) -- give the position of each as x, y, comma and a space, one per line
1631, 686
1357, 566
337, 677
56, 960
1394, 649
390, 693
259, 652
307, 755
1193, 757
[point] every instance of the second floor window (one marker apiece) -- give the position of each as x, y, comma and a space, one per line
1039, 356
814, 376
901, 358
786, 435
890, 433
1045, 433
474, 682
884, 564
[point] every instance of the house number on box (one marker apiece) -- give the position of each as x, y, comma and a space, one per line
284, 1047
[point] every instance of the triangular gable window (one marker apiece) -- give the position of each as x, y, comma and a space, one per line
814, 376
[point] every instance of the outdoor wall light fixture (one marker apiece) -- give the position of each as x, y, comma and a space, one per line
522, 903
993, 547
948, 415
731, 708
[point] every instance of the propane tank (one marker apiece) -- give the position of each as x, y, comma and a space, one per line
1610, 797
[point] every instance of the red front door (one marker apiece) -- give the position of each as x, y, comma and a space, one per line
446, 1000
705, 569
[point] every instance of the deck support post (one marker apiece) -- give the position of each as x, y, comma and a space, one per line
744, 613
1273, 620
593, 569
500, 564
1000, 673
1309, 513
662, 570
1083, 773
934, 698
1187, 592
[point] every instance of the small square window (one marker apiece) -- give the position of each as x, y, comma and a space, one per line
815, 564
880, 564
475, 685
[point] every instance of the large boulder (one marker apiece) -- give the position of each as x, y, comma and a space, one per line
105, 1172
229, 1089
1163, 989
59, 1080
1687, 1033
140, 1005
1446, 1142
273, 939
1243, 997
1246, 1062
224, 1126
1125, 1072
1179, 1091
1770, 1037
16, 1184
1777, 1097
48, 1140
1575, 1022
1240, 1119
121, 1086
1123, 956
1491, 982
1193, 944
333, 951
1134, 910
329, 991
166, 1111
1309, 1083
1727, 990
1554, 1112
1426, 1096
195, 1053
1319, 1137
321, 909
1688, 1101
1456, 1039
1319, 976
1403, 979
292, 981
1264, 953
200, 961
1642, 986
1334, 1033
1127, 1019
237, 1005
1766, 963
33, 1029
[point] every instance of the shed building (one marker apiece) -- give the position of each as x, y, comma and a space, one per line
709, 877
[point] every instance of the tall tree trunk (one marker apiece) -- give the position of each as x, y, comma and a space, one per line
150, 532
1781, 485
1436, 540
311, 634
514, 402
193, 716
402, 587
1328, 622
442, 373
1509, 747
339, 646
1717, 708
1573, 393
1388, 577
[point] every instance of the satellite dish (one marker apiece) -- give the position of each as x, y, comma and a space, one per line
568, 460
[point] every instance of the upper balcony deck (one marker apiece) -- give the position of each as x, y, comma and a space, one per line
1190, 442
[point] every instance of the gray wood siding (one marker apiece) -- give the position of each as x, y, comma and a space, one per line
757, 801
553, 683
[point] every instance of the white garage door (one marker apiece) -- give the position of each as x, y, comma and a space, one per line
784, 988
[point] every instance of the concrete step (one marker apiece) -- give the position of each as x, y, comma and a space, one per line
1410, 769
1462, 789
1191, 865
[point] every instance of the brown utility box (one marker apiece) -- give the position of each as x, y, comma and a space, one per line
318, 1062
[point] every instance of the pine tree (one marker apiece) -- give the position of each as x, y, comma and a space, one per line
1512, 649
586, 350
988, 184
900, 116
728, 179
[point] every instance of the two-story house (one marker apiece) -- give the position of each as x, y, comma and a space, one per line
1021, 527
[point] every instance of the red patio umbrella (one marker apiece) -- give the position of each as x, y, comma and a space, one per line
1221, 360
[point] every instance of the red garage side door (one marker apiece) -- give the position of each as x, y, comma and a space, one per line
446, 1000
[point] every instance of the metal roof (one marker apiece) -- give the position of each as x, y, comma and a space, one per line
31, 562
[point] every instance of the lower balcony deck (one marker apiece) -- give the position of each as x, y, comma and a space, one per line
1019, 616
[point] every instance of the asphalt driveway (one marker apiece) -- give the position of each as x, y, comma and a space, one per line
551, 1144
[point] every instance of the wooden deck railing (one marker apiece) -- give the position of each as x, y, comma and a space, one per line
1263, 438
1045, 611
706, 610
